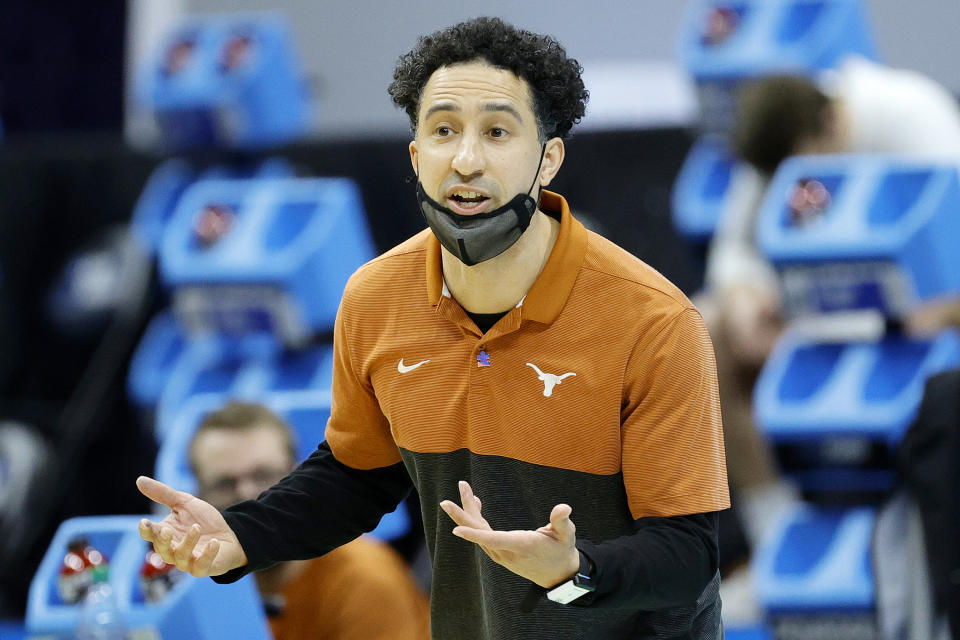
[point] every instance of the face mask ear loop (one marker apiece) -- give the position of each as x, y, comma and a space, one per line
543, 151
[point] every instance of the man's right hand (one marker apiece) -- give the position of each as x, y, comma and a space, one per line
194, 537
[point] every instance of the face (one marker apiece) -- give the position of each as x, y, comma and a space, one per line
477, 143
239, 465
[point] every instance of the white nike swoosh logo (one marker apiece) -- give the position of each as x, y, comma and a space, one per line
402, 368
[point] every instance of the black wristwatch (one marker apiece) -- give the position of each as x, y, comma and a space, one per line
579, 585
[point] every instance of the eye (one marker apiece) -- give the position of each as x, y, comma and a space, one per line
497, 132
443, 132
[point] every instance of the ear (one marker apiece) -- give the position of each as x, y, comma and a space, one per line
414, 159
553, 157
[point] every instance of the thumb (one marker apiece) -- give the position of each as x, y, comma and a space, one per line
560, 520
159, 492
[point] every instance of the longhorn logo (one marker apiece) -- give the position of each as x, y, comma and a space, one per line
550, 380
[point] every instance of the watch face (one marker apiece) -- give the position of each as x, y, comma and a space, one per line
584, 581
567, 592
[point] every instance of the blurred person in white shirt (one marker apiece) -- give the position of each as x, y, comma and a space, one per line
859, 107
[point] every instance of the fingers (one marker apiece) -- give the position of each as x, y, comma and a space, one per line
203, 562
470, 502
469, 514
560, 520
185, 554
495, 540
162, 538
146, 530
151, 532
454, 511
183, 551
159, 492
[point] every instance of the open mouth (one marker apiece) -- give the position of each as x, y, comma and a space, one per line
468, 201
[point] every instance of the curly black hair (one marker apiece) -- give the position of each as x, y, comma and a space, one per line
774, 115
559, 97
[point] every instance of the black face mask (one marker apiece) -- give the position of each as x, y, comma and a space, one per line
476, 238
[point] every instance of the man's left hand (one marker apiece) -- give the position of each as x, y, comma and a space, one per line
547, 556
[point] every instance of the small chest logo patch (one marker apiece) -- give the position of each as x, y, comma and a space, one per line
407, 368
550, 380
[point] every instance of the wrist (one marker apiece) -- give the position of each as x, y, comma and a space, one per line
574, 562
579, 584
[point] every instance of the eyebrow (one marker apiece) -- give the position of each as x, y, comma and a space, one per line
449, 106
503, 107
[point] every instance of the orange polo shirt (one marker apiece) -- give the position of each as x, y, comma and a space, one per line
643, 399
598, 390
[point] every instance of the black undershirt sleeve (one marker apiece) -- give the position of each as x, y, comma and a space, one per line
321, 505
666, 562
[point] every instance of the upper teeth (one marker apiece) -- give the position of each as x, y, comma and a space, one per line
467, 194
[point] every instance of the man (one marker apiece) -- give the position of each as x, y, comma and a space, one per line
238, 452
510, 352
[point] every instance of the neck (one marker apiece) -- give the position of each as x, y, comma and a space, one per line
499, 283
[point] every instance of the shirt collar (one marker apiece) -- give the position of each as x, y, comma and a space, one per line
545, 299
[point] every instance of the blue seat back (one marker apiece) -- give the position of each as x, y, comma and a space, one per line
817, 560
194, 608
285, 251
701, 188
231, 80
721, 44
885, 237
211, 372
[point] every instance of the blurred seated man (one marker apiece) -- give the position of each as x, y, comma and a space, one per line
860, 107
362, 590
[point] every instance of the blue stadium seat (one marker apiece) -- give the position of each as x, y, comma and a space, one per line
884, 236
837, 410
853, 234
724, 42
231, 80
701, 188
194, 608
747, 633
212, 373
296, 385
815, 571
264, 255
170, 179
155, 357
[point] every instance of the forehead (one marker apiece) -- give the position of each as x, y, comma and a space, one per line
235, 452
475, 82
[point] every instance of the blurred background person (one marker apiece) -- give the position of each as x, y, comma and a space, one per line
922, 596
362, 590
860, 107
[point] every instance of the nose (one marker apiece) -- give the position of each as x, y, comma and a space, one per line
469, 159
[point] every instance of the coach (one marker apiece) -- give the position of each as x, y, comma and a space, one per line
505, 353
